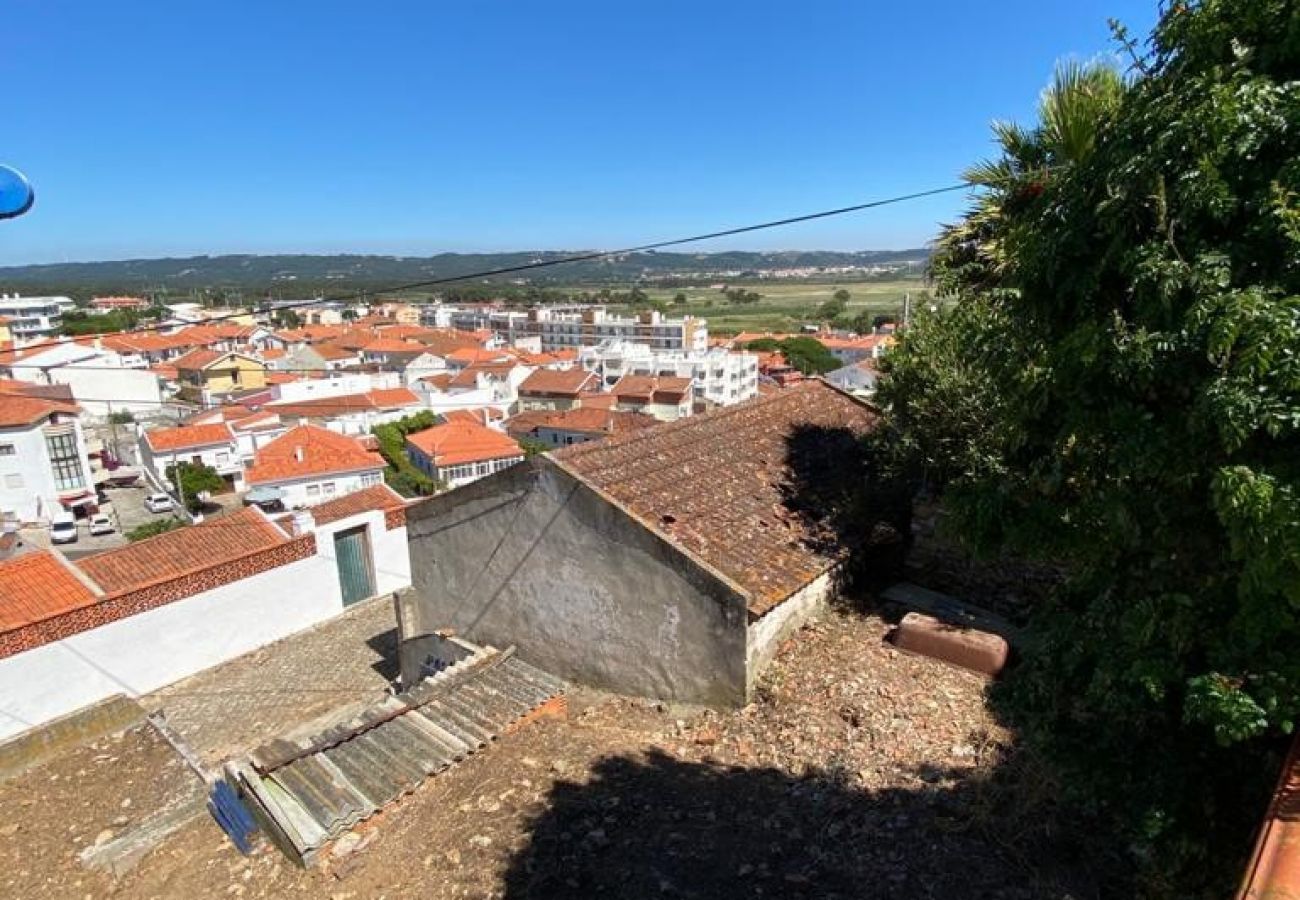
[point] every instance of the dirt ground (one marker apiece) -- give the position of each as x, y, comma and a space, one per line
858, 772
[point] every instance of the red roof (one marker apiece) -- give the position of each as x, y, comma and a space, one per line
174, 554
753, 489
389, 345
379, 497
324, 407
561, 382
307, 451
460, 441
480, 414
652, 388
184, 437
468, 356
592, 420
18, 411
37, 586
202, 359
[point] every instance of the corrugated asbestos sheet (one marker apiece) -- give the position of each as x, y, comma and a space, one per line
308, 793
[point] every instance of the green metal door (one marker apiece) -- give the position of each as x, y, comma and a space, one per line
352, 556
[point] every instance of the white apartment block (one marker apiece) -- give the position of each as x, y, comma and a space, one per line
34, 316
720, 376
561, 327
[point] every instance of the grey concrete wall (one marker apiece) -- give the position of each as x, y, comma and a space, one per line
535, 558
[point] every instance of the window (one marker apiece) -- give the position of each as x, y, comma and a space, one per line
65, 462
6, 449
370, 479
223, 457
313, 490
13, 482
329, 488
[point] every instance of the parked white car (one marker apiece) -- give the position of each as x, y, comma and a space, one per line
158, 502
101, 524
63, 529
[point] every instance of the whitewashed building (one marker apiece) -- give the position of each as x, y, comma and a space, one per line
132, 620
31, 317
44, 467
721, 376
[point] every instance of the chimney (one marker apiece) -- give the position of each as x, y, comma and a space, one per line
298, 454
302, 522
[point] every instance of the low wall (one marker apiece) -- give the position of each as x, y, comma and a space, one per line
767, 633
143, 652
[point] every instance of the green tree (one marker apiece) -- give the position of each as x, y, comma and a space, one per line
806, 354
679, 299
1116, 390
349, 315
195, 478
400, 474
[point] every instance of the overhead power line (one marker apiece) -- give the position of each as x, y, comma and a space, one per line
567, 260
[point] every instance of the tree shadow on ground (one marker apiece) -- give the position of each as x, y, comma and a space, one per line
655, 826
849, 508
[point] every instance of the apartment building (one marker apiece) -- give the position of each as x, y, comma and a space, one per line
562, 327
43, 463
31, 317
720, 376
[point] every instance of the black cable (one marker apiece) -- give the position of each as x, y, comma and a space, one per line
581, 257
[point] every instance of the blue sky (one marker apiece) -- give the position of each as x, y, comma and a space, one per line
167, 129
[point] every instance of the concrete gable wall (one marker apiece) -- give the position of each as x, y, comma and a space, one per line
533, 557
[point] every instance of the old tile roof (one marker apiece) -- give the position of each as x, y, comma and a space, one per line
197, 359
742, 487
558, 382
584, 420
333, 352
185, 551
324, 407
379, 497
468, 356
459, 441
307, 451
651, 388
21, 411
526, 423
392, 346
480, 414
183, 437
37, 586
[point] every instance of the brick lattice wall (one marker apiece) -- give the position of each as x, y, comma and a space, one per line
130, 603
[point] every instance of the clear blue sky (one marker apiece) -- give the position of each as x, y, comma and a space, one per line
166, 129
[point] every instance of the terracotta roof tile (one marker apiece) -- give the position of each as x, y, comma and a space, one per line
734, 486
183, 437
652, 389
174, 554
19, 411
379, 497
322, 452
37, 586
558, 382
459, 441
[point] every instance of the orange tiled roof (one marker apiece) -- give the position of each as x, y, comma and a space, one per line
749, 488
459, 441
388, 398
37, 586
331, 352
592, 420
596, 400
184, 437
441, 380
379, 497
174, 554
323, 407
389, 345
652, 388
561, 382
322, 452
480, 414
198, 359
469, 356
18, 411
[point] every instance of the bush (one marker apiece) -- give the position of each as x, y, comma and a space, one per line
149, 529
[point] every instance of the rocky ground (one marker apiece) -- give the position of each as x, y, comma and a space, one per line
858, 772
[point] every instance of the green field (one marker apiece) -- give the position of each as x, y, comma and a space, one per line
787, 305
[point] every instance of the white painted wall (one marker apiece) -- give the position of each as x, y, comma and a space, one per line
101, 391
306, 492
27, 486
150, 650
225, 458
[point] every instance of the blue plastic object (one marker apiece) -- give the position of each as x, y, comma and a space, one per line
16, 194
233, 817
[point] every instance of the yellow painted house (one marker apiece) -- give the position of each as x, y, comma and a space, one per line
203, 374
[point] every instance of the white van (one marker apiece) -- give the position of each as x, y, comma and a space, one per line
63, 528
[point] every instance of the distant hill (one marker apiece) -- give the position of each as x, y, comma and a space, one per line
293, 274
